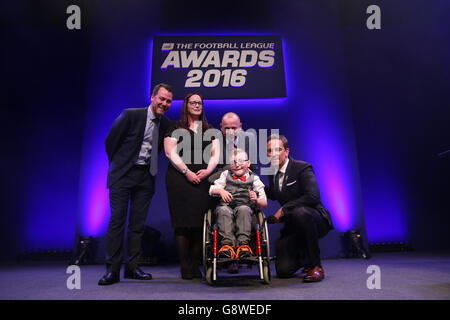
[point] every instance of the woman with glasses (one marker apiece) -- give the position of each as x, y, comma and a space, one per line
192, 159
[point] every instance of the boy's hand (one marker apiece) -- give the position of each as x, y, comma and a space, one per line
226, 196
252, 195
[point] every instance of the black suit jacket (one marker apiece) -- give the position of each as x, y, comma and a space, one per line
300, 189
124, 141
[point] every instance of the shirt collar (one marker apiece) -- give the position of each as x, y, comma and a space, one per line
236, 139
150, 115
283, 168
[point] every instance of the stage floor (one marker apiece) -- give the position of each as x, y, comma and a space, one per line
406, 275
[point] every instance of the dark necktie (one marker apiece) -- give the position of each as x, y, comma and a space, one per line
154, 154
276, 186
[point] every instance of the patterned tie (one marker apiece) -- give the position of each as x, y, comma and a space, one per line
154, 155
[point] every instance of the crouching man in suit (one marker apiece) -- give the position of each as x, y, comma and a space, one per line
305, 219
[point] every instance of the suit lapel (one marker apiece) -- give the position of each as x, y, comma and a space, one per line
286, 175
142, 121
271, 185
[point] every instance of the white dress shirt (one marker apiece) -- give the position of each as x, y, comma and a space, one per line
282, 174
146, 147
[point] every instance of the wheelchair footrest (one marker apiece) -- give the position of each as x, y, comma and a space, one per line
248, 260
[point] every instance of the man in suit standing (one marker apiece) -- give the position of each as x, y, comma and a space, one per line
132, 145
305, 218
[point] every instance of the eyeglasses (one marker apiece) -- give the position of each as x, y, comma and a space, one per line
238, 162
195, 103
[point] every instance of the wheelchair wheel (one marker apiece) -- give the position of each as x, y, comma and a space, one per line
265, 244
208, 266
266, 239
265, 248
206, 240
266, 273
209, 276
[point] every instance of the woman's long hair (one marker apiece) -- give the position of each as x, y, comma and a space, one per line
184, 113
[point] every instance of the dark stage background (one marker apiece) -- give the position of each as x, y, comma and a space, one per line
368, 108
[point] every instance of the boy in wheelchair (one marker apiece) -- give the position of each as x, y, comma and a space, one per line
240, 192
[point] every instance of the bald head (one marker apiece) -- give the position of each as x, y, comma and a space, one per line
231, 116
230, 125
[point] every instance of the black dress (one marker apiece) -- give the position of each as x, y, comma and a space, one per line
188, 202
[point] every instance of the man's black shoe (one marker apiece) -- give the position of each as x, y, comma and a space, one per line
109, 278
186, 274
137, 274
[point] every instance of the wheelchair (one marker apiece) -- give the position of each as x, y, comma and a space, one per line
259, 242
